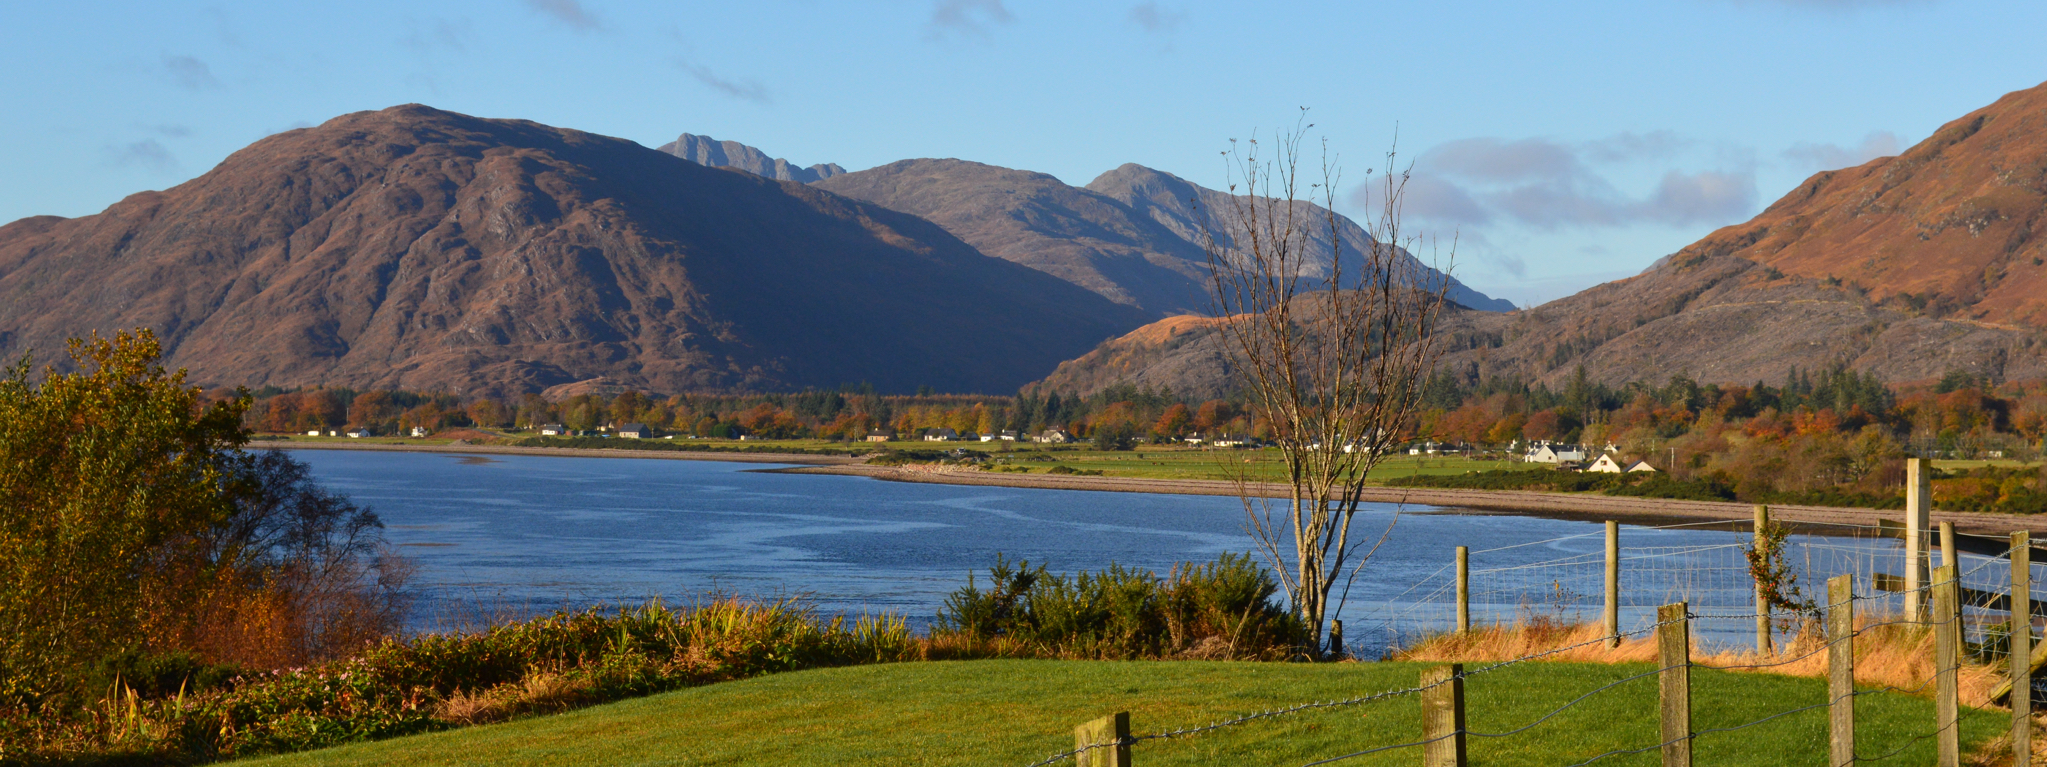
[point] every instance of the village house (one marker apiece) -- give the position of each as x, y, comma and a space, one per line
553, 430
1232, 440
1053, 437
419, 431
880, 435
940, 434
358, 433
1607, 464
635, 431
1007, 435
1555, 455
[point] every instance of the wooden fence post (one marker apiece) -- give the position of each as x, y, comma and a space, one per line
1463, 589
1841, 671
1443, 716
2021, 649
1918, 511
1612, 615
1947, 640
1674, 650
1115, 729
1763, 643
1948, 555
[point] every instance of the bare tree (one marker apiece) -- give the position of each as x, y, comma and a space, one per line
1335, 347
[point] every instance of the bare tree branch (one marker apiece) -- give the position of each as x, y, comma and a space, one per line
1336, 364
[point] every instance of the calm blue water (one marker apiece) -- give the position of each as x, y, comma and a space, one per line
518, 534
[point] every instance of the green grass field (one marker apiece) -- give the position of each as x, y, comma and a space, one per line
1017, 712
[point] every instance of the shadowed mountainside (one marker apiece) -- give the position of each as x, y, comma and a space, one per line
1132, 235
423, 249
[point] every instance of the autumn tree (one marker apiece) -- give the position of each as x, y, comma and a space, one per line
130, 507
1335, 346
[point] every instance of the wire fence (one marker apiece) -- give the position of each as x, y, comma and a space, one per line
1716, 588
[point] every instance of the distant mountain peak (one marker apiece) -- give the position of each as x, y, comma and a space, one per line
704, 150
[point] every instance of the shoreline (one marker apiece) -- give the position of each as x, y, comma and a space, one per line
1580, 507
571, 452
1567, 506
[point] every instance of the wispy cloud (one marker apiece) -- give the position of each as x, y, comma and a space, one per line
189, 72
967, 16
1547, 184
426, 37
1157, 19
570, 13
1839, 5
147, 154
1825, 156
745, 90
167, 130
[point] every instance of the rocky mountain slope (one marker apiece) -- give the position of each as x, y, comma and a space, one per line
1952, 228
704, 150
1907, 266
424, 249
1132, 235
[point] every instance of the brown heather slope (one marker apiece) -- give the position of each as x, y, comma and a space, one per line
424, 249
1951, 228
1907, 267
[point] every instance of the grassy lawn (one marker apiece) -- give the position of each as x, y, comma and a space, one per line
1017, 712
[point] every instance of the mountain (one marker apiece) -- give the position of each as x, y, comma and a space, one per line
423, 249
1131, 235
704, 150
1952, 228
1907, 267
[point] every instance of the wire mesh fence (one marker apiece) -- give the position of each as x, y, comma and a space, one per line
1966, 608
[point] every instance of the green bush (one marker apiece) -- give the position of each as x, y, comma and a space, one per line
1224, 608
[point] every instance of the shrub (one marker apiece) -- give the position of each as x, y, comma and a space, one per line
1224, 609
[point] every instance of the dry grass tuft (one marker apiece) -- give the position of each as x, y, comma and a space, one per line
540, 692
1887, 655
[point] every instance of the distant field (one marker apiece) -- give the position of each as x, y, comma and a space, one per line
1017, 712
1148, 462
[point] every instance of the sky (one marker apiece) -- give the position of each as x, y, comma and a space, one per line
1549, 147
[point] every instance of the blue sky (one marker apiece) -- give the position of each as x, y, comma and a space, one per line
1565, 143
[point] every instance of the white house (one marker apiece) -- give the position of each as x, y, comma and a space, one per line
1640, 466
1555, 454
1231, 440
1007, 435
635, 431
358, 433
553, 430
940, 434
1054, 437
1605, 464
313, 433
420, 431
